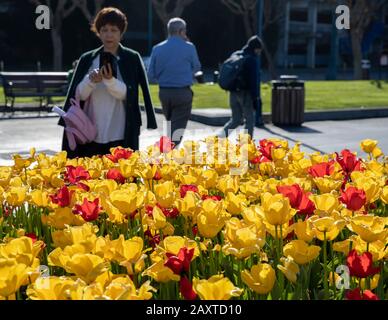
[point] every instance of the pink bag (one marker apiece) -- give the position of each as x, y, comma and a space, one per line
79, 127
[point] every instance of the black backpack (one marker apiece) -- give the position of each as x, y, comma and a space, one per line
230, 77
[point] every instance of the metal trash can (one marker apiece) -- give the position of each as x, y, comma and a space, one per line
288, 100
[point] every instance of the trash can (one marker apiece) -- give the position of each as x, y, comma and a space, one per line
288, 100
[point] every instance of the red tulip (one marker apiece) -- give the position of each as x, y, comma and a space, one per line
187, 187
119, 153
115, 174
181, 262
356, 294
348, 161
153, 240
62, 197
186, 289
32, 236
169, 212
76, 174
299, 199
353, 198
157, 175
361, 266
265, 148
165, 145
293, 193
322, 169
89, 210
215, 198
83, 186
306, 206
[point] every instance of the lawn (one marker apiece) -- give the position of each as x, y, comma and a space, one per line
319, 95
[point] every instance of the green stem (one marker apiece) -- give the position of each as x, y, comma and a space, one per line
325, 282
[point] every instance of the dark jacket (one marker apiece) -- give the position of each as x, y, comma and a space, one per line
250, 77
133, 74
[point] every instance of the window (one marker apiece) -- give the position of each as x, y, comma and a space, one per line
324, 17
300, 15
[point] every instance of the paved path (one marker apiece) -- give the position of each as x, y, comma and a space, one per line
19, 135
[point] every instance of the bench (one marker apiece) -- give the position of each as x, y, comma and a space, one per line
42, 85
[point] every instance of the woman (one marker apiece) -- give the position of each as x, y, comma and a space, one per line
114, 101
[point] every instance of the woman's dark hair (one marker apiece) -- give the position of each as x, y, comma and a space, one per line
112, 16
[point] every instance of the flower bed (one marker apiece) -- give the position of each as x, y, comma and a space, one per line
237, 221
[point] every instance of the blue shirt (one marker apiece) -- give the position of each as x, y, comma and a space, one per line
173, 63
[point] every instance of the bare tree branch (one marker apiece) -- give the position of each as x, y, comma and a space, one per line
161, 7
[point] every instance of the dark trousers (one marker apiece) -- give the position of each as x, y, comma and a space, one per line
176, 105
94, 148
242, 108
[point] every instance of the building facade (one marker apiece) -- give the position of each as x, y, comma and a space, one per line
307, 36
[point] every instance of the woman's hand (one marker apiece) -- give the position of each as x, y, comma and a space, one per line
95, 76
106, 71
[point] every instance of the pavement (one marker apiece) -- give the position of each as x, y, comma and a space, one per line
20, 133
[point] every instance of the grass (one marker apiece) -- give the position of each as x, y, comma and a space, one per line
320, 95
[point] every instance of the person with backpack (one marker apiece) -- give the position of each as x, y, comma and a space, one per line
106, 85
239, 74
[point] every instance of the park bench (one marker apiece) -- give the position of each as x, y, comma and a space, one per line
42, 85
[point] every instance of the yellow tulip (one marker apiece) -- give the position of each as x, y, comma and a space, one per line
228, 184
16, 196
325, 204
384, 195
326, 227
86, 266
326, 185
22, 250
369, 228
165, 194
216, 288
188, 206
251, 189
85, 235
211, 218
242, 239
368, 145
127, 200
40, 198
160, 273
289, 268
172, 244
374, 282
105, 187
377, 153
122, 288
260, 279
126, 252
371, 186
157, 220
303, 230
51, 288
62, 217
12, 276
235, 203
276, 208
5, 176
300, 251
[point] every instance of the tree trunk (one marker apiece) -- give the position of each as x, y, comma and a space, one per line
57, 49
357, 55
247, 24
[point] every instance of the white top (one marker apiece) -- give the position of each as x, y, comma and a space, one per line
107, 100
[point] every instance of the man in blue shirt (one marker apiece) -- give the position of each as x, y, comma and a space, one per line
172, 65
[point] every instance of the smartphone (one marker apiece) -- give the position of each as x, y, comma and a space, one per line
108, 58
